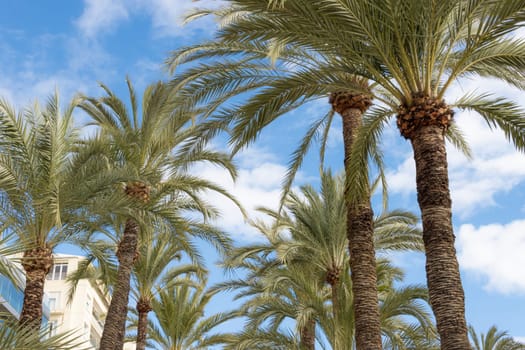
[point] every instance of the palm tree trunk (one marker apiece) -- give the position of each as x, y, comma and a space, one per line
360, 232
143, 308
36, 263
334, 285
115, 325
333, 278
308, 335
443, 277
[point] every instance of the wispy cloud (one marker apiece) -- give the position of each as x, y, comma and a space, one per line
167, 16
101, 15
258, 185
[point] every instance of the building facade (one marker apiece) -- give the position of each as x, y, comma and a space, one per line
84, 311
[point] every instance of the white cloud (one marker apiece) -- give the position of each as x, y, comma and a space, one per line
403, 178
166, 15
496, 168
258, 185
495, 252
101, 15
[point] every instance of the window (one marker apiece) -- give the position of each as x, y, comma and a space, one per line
53, 324
53, 300
58, 272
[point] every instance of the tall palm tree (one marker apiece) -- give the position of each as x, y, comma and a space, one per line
152, 147
413, 50
285, 89
493, 340
298, 76
37, 188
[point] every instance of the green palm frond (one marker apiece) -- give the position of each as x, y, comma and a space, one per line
494, 339
16, 337
499, 113
36, 170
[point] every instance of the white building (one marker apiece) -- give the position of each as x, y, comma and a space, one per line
88, 307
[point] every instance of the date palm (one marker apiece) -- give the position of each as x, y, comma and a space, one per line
296, 75
151, 145
37, 189
182, 324
317, 229
413, 50
274, 294
155, 270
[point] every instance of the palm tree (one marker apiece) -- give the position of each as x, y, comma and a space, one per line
493, 340
189, 329
37, 189
412, 51
153, 149
315, 224
155, 271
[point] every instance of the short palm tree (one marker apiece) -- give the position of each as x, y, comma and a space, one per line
152, 147
155, 270
181, 321
314, 219
493, 340
413, 51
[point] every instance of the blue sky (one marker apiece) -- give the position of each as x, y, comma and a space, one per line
73, 44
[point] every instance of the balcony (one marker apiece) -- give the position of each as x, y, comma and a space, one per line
11, 297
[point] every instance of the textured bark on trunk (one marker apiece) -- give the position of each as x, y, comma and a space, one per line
143, 308
115, 325
36, 263
443, 278
308, 336
334, 285
332, 278
360, 232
